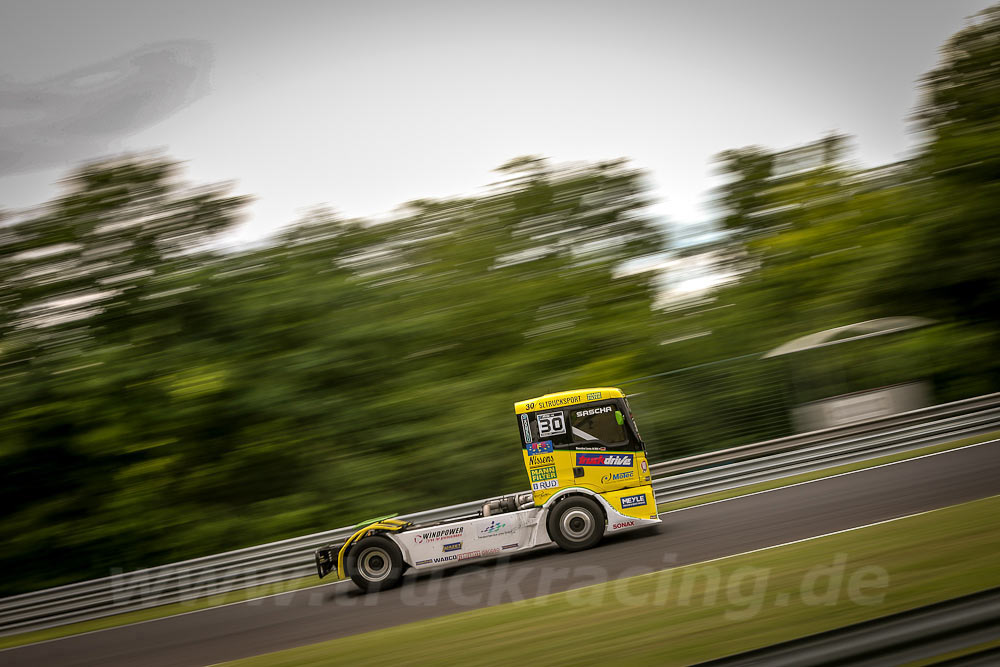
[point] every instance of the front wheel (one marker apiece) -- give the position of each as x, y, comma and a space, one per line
375, 563
576, 523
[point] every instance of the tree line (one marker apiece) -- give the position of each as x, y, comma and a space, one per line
164, 396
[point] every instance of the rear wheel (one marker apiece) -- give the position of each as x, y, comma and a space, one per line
576, 523
375, 563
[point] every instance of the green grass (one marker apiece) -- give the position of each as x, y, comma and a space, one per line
926, 558
825, 472
305, 582
159, 612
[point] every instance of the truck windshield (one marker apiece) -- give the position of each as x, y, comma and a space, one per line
596, 423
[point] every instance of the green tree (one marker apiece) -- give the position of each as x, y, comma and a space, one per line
949, 263
163, 399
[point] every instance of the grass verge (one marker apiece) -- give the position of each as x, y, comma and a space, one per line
305, 582
825, 472
703, 611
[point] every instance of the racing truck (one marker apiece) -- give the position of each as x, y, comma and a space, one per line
589, 478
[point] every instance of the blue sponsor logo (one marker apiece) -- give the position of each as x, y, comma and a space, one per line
633, 501
541, 447
617, 477
494, 527
452, 546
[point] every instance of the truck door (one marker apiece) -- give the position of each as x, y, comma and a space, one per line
607, 456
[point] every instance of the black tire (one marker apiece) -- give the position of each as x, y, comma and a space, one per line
576, 523
374, 563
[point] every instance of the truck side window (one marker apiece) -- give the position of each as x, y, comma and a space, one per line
545, 425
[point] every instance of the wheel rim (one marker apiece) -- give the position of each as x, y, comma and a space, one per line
576, 524
374, 564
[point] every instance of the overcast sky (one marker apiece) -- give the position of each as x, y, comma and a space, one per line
366, 105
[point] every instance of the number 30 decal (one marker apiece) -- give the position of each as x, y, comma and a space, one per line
551, 423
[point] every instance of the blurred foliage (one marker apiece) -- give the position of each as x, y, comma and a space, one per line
164, 397
812, 242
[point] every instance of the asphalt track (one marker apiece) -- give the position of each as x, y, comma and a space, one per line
686, 536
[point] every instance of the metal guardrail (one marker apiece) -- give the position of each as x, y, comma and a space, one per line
827, 448
918, 634
683, 478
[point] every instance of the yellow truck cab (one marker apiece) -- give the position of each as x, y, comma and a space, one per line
586, 440
589, 478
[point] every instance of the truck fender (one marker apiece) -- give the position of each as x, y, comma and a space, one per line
580, 491
541, 534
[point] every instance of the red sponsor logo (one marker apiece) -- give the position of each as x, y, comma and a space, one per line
623, 524
604, 459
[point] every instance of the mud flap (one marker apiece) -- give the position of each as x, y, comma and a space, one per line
326, 560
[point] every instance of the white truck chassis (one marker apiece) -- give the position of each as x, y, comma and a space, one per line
426, 546
579, 519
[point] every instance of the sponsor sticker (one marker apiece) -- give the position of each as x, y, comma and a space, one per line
437, 535
495, 528
547, 459
525, 429
595, 396
642, 464
540, 447
469, 554
452, 546
633, 501
623, 524
444, 559
422, 562
547, 484
509, 546
617, 460
617, 476
541, 474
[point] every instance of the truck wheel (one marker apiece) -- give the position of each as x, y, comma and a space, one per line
576, 523
375, 563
